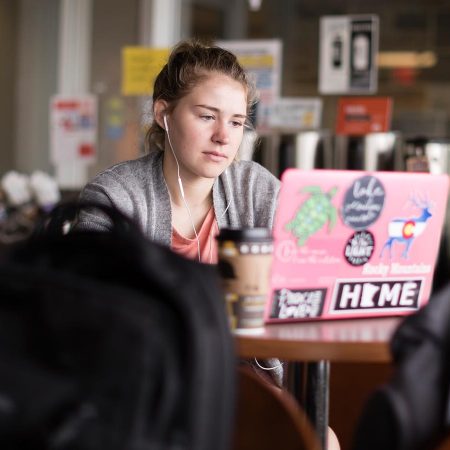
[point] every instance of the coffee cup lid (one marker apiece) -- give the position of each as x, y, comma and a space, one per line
245, 234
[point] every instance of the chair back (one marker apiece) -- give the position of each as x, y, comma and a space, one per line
444, 444
268, 418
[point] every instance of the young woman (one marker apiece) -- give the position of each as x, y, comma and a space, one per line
191, 184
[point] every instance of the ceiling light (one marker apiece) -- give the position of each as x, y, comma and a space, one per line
254, 4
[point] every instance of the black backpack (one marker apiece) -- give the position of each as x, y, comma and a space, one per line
110, 341
412, 410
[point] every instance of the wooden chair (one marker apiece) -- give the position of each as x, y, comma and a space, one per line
444, 444
268, 418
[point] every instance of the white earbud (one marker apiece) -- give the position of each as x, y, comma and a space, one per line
180, 185
165, 123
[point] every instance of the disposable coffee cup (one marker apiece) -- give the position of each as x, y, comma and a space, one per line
245, 258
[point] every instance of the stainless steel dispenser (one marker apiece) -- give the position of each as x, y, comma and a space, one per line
373, 151
427, 155
309, 149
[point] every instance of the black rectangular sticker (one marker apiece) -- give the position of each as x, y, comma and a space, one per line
297, 303
376, 295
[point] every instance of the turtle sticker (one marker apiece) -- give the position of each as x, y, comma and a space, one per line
314, 213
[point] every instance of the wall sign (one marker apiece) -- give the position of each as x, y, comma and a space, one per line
347, 54
296, 113
358, 116
140, 66
73, 129
262, 60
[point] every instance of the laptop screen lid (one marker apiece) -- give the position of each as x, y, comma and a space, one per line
354, 243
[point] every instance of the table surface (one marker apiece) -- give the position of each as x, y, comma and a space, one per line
353, 340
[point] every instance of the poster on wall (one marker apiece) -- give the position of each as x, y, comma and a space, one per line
140, 66
347, 54
73, 129
262, 60
296, 113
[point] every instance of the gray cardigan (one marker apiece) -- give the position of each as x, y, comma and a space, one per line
139, 190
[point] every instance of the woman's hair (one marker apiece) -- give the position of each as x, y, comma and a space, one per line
189, 63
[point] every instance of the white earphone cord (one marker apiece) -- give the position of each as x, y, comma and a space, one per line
180, 186
268, 368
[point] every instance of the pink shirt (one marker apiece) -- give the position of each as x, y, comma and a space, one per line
207, 237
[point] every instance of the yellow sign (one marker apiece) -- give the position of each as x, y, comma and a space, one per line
140, 66
256, 61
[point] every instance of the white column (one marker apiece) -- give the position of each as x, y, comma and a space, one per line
36, 81
236, 18
160, 24
74, 66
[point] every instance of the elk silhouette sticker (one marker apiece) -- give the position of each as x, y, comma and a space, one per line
406, 230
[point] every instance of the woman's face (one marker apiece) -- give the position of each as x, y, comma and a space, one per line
206, 127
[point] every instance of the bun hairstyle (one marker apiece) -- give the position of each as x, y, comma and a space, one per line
189, 63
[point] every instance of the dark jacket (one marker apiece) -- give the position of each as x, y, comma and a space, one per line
412, 411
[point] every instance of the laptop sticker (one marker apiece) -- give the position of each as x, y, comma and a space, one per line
359, 248
376, 295
363, 202
298, 304
314, 213
405, 230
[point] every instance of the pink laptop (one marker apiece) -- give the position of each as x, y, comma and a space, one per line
354, 243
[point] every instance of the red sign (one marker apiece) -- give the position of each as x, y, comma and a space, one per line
362, 115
